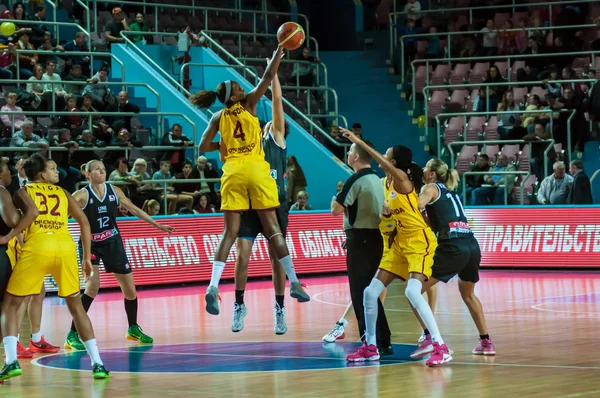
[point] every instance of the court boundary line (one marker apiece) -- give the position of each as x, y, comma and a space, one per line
592, 313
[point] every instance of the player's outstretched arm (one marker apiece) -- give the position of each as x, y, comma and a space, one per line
255, 95
278, 129
206, 143
141, 214
30, 213
428, 194
8, 211
86, 234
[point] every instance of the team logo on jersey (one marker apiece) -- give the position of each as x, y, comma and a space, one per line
273, 174
102, 209
91, 201
127, 266
111, 198
393, 195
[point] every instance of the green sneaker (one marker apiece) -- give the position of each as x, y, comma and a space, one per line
100, 372
73, 343
135, 333
10, 371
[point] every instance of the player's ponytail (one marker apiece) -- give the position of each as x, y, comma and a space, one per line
402, 156
416, 175
205, 98
449, 177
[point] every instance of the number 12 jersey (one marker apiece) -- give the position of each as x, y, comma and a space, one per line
102, 213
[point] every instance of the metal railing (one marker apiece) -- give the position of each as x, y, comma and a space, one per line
297, 62
439, 133
90, 115
92, 54
55, 24
273, 36
448, 50
516, 172
245, 69
256, 15
124, 87
308, 89
494, 58
87, 16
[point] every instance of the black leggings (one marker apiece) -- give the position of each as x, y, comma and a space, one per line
5, 271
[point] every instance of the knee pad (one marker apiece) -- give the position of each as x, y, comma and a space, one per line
413, 290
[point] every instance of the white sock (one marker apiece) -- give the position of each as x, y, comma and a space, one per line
10, 348
36, 337
370, 295
288, 267
217, 271
92, 350
413, 294
18, 337
343, 321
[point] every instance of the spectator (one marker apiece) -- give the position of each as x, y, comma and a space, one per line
39, 32
193, 188
122, 139
35, 87
412, 10
357, 129
533, 65
508, 39
69, 176
507, 121
121, 106
144, 191
540, 34
59, 91
569, 74
593, 104
554, 89
410, 43
19, 14
338, 189
151, 207
173, 200
476, 181
72, 122
204, 206
120, 174
581, 192
433, 44
295, 180
538, 149
86, 140
556, 187
19, 179
578, 125
99, 127
79, 44
46, 45
75, 75
495, 92
338, 151
204, 170
533, 104
498, 184
26, 138
26, 61
301, 202
112, 30
303, 73
139, 26
101, 94
521, 36
11, 106
490, 39
176, 138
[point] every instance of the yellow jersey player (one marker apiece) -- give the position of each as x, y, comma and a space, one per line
246, 173
48, 248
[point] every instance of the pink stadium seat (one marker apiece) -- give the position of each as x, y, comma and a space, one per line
479, 72
471, 99
502, 67
524, 157
475, 127
490, 131
520, 94
440, 75
514, 68
511, 151
491, 151
459, 97
438, 99
580, 62
540, 92
420, 78
527, 190
460, 74
467, 155
454, 130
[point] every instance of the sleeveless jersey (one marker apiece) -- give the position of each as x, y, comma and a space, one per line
102, 213
447, 216
276, 156
405, 209
240, 134
52, 222
387, 224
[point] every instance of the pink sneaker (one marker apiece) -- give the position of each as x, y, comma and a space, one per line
439, 356
485, 347
364, 353
425, 347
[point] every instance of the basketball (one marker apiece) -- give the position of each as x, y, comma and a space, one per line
290, 35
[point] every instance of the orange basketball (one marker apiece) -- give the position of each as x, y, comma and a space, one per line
290, 35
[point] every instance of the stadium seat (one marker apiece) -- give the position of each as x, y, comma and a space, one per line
457, 102
490, 131
454, 130
528, 188
420, 78
479, 72
502, 67
467, 155
460, 74
511, 151
437, 100
475, 127
524, 157
520, 94
440, 75
492, 152
514, 68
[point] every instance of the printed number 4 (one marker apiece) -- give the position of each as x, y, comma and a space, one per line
458, 209
239, 132
103, 221
44, 204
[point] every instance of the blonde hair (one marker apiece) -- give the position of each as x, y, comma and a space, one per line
302, 195
150, 203
444, 174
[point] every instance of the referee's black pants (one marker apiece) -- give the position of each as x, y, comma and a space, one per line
364, 251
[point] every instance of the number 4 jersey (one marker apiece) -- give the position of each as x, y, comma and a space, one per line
102, 213
240, 134
447, 215
52, 222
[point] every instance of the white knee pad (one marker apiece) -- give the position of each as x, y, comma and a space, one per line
372, 293
413, 290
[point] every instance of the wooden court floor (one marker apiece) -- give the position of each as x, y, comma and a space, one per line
544, 326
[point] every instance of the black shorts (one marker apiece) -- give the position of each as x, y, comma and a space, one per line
250, 225
113, 255
460, 256
5, 271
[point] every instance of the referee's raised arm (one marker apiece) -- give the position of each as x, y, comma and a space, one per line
361, 201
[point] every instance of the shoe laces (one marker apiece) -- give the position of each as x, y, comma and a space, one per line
338, 328
237, 308
437, 350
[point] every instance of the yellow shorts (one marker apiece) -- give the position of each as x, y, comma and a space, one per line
410, 254
13, 251
245, 180
35, 261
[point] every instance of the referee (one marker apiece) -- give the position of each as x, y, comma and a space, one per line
361, 200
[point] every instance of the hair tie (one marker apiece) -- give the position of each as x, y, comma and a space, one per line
227, 91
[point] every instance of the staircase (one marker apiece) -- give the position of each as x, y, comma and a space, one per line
368, 95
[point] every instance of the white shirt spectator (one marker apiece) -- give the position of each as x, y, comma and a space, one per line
553, 190
490, 38
57, 88
412, 10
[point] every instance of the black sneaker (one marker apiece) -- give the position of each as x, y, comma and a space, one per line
385, 351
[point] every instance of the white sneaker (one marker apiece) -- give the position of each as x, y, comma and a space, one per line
337, 333
280, 326
239, 312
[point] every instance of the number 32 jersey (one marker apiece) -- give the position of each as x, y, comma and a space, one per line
102, 213
51, 225
240, 134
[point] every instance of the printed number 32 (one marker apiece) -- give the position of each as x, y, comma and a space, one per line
239, 132
44, 204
